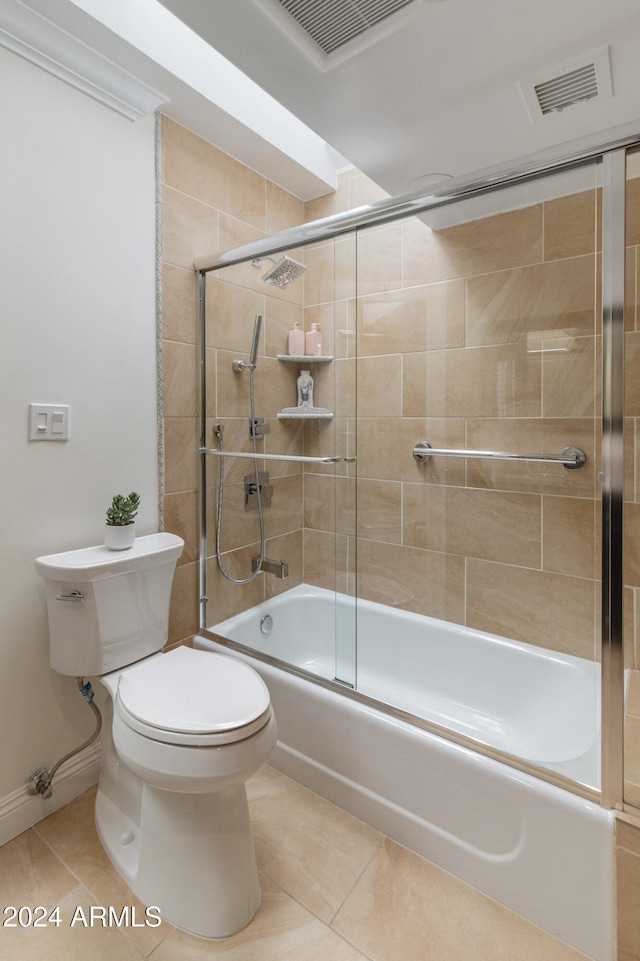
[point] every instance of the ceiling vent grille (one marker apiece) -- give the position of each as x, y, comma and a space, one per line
576, 86
332, 23
579, 80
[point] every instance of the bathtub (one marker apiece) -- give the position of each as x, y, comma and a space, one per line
540, 850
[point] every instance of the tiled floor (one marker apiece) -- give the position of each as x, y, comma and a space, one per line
334, 889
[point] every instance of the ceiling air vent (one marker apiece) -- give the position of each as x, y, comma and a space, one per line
332, 23
577, 81
576, 86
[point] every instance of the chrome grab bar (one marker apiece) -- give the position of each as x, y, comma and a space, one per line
571, 457
282, 457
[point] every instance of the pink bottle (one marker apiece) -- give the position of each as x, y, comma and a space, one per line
314, 341
295, 342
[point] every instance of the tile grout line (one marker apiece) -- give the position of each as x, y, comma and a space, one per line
93, 896
374, 854
81, 884
328, 925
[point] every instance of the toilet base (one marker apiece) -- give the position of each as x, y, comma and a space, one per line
190, 855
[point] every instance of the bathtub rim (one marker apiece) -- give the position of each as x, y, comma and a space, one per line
512, 760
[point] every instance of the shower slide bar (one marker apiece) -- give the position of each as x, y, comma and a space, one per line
571, 457
282, 457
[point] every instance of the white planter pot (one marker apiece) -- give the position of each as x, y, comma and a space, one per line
119, 538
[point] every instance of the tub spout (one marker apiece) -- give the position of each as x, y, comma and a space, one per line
279, 568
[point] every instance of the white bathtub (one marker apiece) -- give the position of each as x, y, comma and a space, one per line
540, 850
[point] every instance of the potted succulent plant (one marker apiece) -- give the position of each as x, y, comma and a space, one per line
120, 527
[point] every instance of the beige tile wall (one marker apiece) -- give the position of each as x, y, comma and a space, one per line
632, 741
628, 889
450, 325
210, 202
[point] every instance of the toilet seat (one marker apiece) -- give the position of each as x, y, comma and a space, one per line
192, 697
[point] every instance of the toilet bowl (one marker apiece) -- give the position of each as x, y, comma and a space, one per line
171, 808
188, 721
182, 733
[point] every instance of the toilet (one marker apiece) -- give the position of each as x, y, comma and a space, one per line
182, 732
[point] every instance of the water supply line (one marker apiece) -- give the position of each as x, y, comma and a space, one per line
40, 782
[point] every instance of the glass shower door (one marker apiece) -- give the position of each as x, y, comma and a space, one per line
330, 492
478, 331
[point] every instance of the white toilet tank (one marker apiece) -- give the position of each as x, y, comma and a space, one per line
108, 608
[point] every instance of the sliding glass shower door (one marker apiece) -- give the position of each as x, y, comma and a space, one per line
330, 504
304, 453
456, 492
478, 337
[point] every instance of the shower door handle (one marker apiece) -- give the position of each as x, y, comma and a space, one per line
289, 458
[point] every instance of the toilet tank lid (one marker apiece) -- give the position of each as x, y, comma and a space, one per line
90, 563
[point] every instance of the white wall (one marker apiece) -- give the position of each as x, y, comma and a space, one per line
77, 326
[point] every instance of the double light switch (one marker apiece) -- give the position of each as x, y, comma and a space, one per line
48, 422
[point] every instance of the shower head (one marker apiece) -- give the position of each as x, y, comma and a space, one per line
283, 272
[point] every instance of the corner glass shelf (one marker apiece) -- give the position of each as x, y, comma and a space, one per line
304, 358
300, 413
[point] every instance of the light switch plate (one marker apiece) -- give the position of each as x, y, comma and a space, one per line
48, 422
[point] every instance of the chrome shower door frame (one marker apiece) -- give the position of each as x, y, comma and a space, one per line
612, 476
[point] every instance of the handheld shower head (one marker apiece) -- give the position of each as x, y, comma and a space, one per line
283, 272
239, 365
253, 357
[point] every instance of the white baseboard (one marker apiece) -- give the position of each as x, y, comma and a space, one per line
20, 810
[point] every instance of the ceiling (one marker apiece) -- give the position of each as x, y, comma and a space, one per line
437, 91
433, 91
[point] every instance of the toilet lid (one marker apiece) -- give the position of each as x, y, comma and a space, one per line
194, 697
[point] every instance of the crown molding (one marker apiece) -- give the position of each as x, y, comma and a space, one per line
43, 43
